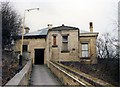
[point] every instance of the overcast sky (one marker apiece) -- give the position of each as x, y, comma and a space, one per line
76, 13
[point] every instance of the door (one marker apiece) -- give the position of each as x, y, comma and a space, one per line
39, 56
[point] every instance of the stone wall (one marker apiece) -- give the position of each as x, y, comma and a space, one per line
63, 76
56, 53
32, 44
91, 39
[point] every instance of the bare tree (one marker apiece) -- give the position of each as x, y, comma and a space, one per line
11, 22
107, 46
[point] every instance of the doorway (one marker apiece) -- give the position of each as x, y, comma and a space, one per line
39, 57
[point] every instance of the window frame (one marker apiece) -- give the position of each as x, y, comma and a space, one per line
54, 44
85, 50
65, 41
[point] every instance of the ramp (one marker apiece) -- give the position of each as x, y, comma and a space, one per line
41, 75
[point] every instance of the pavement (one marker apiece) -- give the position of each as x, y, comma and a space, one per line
41, 75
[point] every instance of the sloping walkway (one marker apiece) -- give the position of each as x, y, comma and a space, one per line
41, 75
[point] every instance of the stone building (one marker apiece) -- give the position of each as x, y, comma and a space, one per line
62, 43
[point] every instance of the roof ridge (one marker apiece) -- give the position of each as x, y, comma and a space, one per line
63, 27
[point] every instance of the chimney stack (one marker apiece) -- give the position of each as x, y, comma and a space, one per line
49, 26
91, 27
27, 30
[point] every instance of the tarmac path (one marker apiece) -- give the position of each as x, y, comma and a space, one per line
41, 75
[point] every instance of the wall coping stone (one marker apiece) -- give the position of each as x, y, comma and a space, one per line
17, 79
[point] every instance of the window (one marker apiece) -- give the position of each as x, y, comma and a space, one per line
25, 48
64, 43
54, 40
54, 44
65, 39
85, 50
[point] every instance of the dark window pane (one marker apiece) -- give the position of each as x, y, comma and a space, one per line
25, 48
65, 39
54, 40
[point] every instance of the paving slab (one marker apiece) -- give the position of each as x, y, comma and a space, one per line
41, 75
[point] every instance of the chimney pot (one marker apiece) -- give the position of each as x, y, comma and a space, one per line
49, 26
63, 25
27, 30
91, 27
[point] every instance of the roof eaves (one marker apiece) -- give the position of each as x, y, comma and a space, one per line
89, 34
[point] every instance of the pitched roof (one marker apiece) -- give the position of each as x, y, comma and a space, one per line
38, 32
63, 27
44, 31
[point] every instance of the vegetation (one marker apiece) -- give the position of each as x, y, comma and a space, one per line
9, 66
11, 23
105, 69
107, 46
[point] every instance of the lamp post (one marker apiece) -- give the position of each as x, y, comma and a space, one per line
24, 27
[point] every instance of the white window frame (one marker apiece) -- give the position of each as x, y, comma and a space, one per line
85, 50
